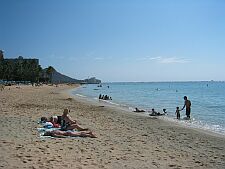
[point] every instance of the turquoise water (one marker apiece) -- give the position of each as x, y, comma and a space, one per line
208, 99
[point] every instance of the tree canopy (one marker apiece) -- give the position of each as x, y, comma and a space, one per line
20, 70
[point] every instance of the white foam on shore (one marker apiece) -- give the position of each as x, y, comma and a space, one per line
80, 95
192, 123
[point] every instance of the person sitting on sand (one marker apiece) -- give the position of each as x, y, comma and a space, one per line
65, 116
64, 121
68, 123
54, 121
59, 133
178, 113
138, 110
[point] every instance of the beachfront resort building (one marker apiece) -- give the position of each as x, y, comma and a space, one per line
19, 69
20, 59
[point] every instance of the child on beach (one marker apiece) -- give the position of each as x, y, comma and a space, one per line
178, 113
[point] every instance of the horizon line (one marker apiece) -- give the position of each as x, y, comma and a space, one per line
164, 81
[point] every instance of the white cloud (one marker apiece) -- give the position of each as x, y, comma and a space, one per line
146, 58
106, 58
155, 58
174, 60
165, 60
98, 58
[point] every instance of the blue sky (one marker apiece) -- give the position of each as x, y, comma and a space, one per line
119, 40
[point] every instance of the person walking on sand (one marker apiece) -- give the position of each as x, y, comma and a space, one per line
187, 104
178, 113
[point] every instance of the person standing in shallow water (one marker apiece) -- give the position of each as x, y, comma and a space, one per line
178, 113
187, 104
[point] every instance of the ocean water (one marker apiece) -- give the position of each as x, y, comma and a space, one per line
207, 98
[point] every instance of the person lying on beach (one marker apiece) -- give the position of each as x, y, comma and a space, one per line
138, 110
154, 113
59, 133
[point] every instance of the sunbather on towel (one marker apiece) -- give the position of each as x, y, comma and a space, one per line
64, 121
59, 133
68, 123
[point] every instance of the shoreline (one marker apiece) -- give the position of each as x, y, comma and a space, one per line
123, 140
183, 124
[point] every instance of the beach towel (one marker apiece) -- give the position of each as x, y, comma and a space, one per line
41, 130
48, 126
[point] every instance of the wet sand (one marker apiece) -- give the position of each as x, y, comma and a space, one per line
125, 140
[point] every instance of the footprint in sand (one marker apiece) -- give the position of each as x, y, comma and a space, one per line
197, 162
172, 165
154, 163
171, 157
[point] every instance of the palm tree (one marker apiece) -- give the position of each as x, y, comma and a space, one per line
50, 71
39, 72
1, 55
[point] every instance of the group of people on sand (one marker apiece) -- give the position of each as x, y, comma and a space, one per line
153, 112
104, 97
65, 125
187, 104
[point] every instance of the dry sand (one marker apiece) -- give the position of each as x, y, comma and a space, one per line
125, 140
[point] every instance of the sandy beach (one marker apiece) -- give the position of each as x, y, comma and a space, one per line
124, 139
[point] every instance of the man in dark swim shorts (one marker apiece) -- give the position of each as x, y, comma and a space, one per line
187, 104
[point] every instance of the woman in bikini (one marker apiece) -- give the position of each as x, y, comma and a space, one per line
59, 133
